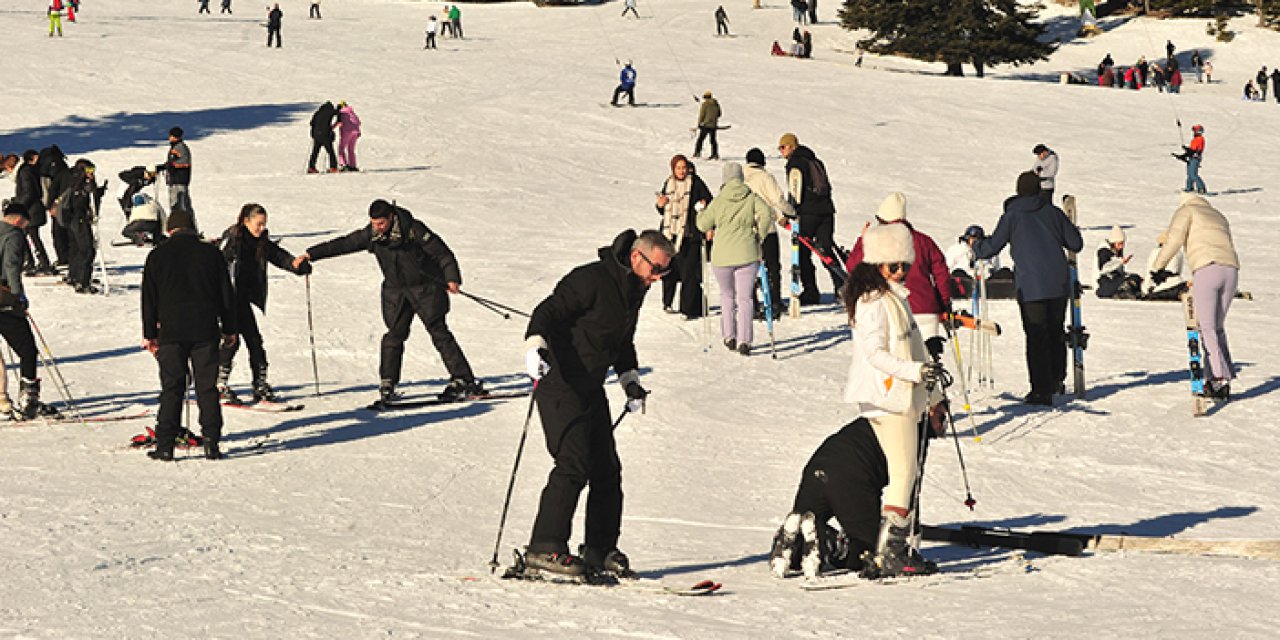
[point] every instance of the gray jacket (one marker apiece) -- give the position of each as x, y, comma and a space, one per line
13, 242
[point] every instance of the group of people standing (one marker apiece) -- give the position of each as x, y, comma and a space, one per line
326, 118
1258, 92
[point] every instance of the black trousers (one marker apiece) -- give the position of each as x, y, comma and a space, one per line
273, 32
398, 311
61, 243
83, 251
703, 133
821, 232
844, 478
579, 435
249, 335
431, 41
174, 359
623, 89
315, 11
687, 273
457, 27
16, 331
722, 27
769, 247
39, 258
327, 145
204, 6
1043, 320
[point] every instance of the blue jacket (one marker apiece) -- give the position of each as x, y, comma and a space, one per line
1038, 232
627, 77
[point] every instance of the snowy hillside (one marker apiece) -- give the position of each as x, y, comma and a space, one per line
336, 523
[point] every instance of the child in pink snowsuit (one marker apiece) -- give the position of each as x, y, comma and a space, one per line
348, 134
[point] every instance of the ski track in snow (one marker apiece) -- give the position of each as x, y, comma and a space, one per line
338, 522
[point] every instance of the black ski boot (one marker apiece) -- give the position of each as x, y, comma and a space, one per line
262, 391
29, 390
460, 389
225, 394
785, 552
894, 554
387, 392
610, 563
559, 563
811, 560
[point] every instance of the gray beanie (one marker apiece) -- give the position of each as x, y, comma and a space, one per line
732, 171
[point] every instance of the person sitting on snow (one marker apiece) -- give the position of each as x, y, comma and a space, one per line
1113, 282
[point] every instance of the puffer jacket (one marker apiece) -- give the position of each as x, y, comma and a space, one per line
1203, 231
740, 219
888, 351
760, 181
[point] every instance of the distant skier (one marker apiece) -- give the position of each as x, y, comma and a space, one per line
1168, 51
806, 45
433, 26
799, 11
1113, 281
813, 11
226, 7
630, 5
204, 7
274, 18
1275, 83
349, 132
1215, 271
315, 10
177, 168
1045, 166
1262, 83
626, 85
77, 206
1193, 154
1037, 232
708, 124
722, 21
455, 17
55, 17
322, 122
1197, 63
446, 25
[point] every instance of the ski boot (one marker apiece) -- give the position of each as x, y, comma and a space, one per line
783, 554
894, 554
387, 392
559, 563
612, 563
460, 389
31, 405
187, 440
811, 558
262, 391
225, 394
211, 451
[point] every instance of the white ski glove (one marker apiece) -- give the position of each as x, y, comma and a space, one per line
630, 383
535, 360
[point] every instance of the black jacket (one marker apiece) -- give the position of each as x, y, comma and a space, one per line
247, 259
410, 255
815, 199
322, 123
273, 18
589, 320
28, 193
79, 199
186, 294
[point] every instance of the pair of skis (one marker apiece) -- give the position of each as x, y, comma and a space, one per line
1077, 544
417, 403
1077, 337
519, 570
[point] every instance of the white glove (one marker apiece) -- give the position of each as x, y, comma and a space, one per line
535, 362
630, 383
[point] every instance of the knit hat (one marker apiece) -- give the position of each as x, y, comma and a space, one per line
789, 140
706, 94
731, 171
755, 156
888, 243
176, 132
12, 208
1116, 235
180, 219
1028, 184
381, 209
893, 208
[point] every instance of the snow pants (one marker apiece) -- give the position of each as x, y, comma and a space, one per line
430, 304
1046, 349
36, 256
347, 148
249, 335
621, 90
821, 231
176, 360
327, 145
687, 272
82, 253
16, 332
55, 22
1214, 289
704, 133
1194, 183
579, 435
273, 33
844, 479
737, 286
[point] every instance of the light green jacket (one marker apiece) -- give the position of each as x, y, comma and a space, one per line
740, 219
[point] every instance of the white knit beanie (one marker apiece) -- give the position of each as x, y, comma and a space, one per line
888, 243
893, 207
1116, 235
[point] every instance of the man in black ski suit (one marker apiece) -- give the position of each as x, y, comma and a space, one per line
809, 191
30, 194
187, 310
322, 136
274, 18
584, 328
417, 269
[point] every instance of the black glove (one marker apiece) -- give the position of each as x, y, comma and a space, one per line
934, 346
932, 373
635, 397
1160, 276
304, 269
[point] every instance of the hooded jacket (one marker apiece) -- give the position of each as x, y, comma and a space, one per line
1037, 232
322, 123
800, 185
588, 323
1203, 231
741, 220
410, 255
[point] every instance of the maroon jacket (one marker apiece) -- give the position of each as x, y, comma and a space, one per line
928, 274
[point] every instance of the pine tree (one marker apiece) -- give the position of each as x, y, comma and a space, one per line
980, 32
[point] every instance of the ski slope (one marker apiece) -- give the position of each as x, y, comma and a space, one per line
336, 523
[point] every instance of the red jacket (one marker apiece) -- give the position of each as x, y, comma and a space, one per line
927, 278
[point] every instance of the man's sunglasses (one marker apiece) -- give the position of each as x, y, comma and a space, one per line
657, 272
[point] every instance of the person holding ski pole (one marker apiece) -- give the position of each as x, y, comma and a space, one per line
584, 328
738, 220
630, 6
1193, 154
418, 268
248, 248
14, 327
1037, 232
626, 85
722, 21
274, 19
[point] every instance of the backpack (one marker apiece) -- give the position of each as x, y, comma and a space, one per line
819, 186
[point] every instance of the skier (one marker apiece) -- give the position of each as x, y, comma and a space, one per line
626, 84
77, 206
55, 177
204, 7
28, 193
186, 313
1045, 166
349, 132
1168, 50
455, 17
13, 315
962, 264
177, 169
677, 203
799, 11
894, 385
927, 281
806, 45
1113, 282
761, 182
708, 123
722, 21
1262, 83
1208, 71
737, 219
630, 5
1215, 270
248, 248
432, 27
1193, 154
585, 327
809, 190
322, 122
315, 10
55, 17
417, 269
813, 11
1037, 232
274, 18
1172, 282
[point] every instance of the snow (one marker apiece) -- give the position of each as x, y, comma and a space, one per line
332, 522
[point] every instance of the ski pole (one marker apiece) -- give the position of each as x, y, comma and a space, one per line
489, 305
706, 304
946, 408
955, 344
511, 484
52, 364
311, 333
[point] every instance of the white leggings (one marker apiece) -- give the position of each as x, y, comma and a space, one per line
899, 438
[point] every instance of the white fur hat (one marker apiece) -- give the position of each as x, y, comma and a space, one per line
893, 207
1116, 235
888, 243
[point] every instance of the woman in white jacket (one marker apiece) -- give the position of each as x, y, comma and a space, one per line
893, 383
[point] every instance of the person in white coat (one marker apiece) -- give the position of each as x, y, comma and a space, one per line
894, 384
1046, 166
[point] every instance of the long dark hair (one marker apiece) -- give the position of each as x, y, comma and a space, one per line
239, 231
865, 278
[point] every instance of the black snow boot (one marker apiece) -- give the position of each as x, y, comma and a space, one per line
460, 389
262, 390
29, 392
211, 451
894, 554
387, 392
225, 394
612, 562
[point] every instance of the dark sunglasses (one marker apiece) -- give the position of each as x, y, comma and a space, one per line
895, 267
658, 272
